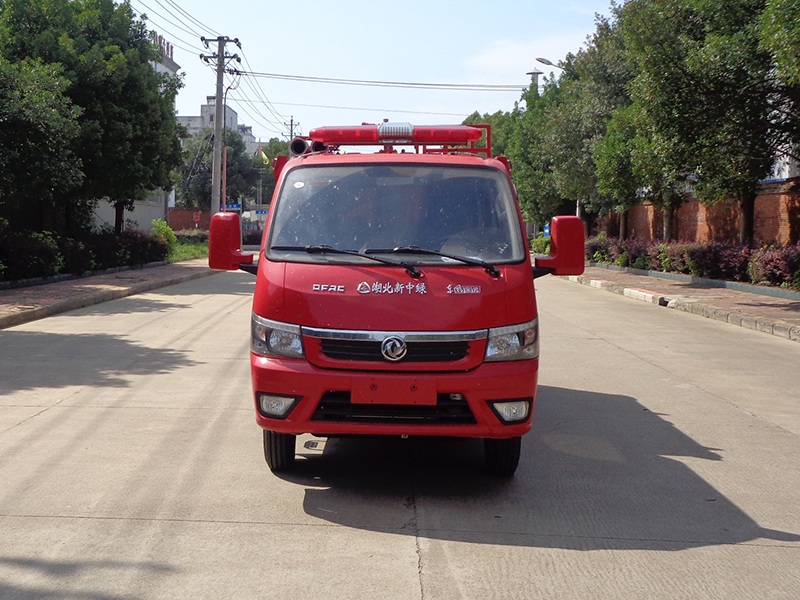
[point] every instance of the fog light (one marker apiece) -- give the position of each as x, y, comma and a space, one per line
277, 407
512, 411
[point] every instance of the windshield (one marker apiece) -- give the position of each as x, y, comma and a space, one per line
460, 211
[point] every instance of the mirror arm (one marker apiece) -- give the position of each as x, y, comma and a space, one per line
249, 267
541, 271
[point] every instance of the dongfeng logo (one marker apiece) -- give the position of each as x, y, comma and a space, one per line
393, 348
363, 288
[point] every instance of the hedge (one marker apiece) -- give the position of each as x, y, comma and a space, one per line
29, 255
766, 265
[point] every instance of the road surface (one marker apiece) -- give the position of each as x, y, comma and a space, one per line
663, 464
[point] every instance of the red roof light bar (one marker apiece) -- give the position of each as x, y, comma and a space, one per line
453, 134
397, 133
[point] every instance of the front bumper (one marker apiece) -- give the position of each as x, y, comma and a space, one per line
394, 396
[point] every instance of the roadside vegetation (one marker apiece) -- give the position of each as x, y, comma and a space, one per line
777, 266
32, 255
668, 98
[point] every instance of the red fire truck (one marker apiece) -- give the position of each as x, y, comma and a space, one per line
394, 291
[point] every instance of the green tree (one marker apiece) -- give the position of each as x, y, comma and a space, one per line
594, 86
38, 126
243, 171
617, 176
779, 34
555, 134
532, 165
502, 128
707, 86
128, 143
273, 148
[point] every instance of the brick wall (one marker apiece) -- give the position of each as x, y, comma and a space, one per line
644, 222
181, 218
777, 215
697, 222
776, 218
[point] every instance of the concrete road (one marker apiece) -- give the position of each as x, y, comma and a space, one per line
663, 464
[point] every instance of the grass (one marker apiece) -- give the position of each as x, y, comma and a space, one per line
188, 250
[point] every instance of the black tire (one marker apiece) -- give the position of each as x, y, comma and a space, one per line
502, 456
279, 450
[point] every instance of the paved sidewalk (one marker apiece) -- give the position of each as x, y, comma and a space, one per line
21, 305
777, 316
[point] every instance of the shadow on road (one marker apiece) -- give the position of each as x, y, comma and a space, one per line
33, 360
65, 571
598, 471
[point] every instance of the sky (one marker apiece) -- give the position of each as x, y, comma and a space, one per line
411, 41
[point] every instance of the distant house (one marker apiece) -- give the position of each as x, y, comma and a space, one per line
195, 125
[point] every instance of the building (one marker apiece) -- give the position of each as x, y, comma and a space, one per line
195, 125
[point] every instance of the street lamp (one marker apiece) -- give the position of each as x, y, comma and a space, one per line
549, 63
535, 77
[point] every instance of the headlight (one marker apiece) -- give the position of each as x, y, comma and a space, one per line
272, 338
515, 342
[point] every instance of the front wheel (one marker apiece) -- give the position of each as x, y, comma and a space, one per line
279, 450
502, 456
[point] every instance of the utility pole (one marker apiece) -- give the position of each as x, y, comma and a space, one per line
221, 59
291, 125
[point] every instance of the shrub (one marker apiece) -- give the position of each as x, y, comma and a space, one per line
777, 266
131, 248
78, 256
769, 265
639, 254
164, 232
673, 258
540, 244
191, 236
252, 238
26, 255
597, 249
143, 247
719, 261
108, 249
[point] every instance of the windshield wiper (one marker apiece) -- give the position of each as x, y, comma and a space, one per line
325, 249
476, 262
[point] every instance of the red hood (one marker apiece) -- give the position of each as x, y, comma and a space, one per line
451, 298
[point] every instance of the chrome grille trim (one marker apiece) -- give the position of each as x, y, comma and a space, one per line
408, 336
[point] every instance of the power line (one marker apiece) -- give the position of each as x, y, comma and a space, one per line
172, 36
394, 84
179, 26
206, 27
260, 93
383, 110
266, 123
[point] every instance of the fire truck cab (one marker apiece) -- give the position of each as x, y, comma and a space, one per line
395, 291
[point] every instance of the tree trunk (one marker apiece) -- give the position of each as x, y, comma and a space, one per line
666, 215
747, 207
119, 217
623, 224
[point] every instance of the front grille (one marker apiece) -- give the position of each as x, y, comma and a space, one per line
335, 407
417, 351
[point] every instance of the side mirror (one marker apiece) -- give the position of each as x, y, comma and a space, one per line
224, 241
567, 252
